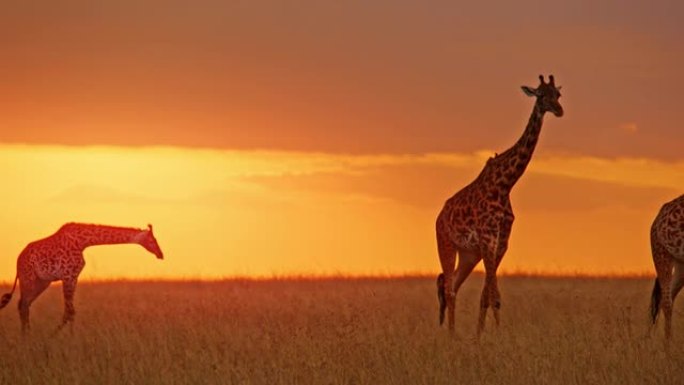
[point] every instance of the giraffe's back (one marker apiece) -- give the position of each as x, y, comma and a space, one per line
49, 259
668, 228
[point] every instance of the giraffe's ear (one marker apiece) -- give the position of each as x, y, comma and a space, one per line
529, 91
149, 227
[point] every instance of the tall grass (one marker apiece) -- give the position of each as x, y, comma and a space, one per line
357, 331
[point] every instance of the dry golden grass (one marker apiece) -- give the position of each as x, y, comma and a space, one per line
359, 331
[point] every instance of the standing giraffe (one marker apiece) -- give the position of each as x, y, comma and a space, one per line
476, 222
59, 257
667, 247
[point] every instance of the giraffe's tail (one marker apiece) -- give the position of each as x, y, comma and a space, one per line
7, 297
655, 301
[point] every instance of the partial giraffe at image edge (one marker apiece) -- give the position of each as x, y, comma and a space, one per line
667, 249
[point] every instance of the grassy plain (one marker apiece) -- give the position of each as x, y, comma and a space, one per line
342, 331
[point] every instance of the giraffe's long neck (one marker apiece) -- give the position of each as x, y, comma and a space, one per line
85, 235
512, 163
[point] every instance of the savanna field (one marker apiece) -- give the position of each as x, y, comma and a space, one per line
342, 331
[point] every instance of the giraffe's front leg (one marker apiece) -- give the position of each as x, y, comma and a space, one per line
495, 299
68, 289
501, 248
496, 295
488, 291
484, 304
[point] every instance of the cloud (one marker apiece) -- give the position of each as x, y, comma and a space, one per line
427, 181
422, 185
642, 172
629, 127
562, 194
240, 179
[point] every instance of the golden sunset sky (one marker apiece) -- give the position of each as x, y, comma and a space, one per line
269, 138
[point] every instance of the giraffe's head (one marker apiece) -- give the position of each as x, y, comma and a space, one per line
547, 95
149, 242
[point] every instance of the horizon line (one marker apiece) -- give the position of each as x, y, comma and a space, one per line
357, 277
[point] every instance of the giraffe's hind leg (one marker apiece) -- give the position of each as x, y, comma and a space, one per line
676, 287
447, 258
466, 262
664, 263
31, 287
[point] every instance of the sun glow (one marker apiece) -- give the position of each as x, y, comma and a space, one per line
258, 213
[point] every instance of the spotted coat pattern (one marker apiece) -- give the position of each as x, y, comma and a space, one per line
59, 257
476, 222
667, 248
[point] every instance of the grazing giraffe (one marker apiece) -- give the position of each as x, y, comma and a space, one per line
476, 222
667, 248
59, 257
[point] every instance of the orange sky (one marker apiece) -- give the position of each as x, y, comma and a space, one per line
321, 137
224, 213
398, 77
